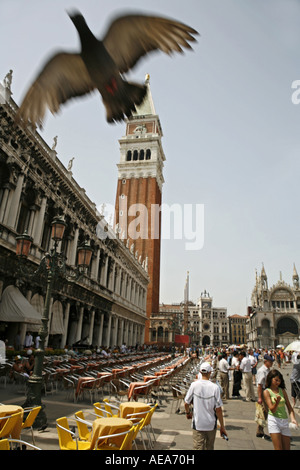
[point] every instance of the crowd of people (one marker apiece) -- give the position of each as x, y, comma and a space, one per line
247, 369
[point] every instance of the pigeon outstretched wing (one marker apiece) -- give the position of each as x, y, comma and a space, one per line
130, 37
63, 77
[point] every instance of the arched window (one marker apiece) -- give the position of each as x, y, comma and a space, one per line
129, 156
287, 325
160, 333
148, 154
135, 155
28, 200
142, 154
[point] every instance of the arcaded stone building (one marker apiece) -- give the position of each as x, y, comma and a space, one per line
108, 305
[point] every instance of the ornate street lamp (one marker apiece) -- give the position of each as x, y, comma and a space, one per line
23, 245
53, 264
84, 256
58, 229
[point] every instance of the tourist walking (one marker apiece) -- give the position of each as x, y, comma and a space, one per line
279, 411
207, 409
237, 375
253, 361
246, 369
224, 368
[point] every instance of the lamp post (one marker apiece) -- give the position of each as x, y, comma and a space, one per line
53, 264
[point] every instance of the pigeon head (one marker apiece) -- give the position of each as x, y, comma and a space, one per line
82, 28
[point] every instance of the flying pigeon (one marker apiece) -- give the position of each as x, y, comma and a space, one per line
100, 65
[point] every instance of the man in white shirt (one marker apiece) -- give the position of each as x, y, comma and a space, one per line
28, 340
253, 366
246, 369
207, 408
224, 368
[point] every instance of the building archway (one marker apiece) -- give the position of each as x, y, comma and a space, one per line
205, 341
287, 325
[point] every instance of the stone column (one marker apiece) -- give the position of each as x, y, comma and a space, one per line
115, 331
73, 251
108, 331
92, 319
95, 266
11, 216
100, 330
39, 225
4, 203
79, 325
66, 323
121, 332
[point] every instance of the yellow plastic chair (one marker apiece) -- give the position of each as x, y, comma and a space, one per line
28, 423
101, 412
148, 425
127, 443
84, 433
112, 409
67, 439
108, 443
143, 418
9, 423
137, 427
6, 444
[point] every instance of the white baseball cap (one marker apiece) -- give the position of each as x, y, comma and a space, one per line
206, 367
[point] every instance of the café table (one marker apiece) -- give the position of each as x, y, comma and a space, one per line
107, 426
130, 407
8, 410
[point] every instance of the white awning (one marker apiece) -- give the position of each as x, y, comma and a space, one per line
57, 324
14, 307
37, 301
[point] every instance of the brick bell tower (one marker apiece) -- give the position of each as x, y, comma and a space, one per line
139, 194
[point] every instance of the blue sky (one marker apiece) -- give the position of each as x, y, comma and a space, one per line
231, 130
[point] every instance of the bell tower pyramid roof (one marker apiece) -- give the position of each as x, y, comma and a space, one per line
147, 106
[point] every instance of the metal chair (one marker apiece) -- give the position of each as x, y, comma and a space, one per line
67, 439
28, 423
70, 387
83, 427
114, 410
143, 391
9, 424
178, 397
6, 444
108, 443
101, 412
119, 388
146, 425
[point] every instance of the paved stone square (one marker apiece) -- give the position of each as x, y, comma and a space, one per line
173, 431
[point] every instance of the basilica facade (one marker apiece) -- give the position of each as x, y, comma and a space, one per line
107, 306
274, 315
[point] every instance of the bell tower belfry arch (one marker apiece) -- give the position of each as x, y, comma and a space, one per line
139, 194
